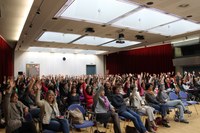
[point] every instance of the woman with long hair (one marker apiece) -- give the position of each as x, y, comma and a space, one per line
50, 114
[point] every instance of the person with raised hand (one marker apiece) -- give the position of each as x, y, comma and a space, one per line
17, 116
50, 114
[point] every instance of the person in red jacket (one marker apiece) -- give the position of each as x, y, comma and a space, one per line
88, 95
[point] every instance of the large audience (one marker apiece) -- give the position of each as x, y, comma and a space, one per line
127, 96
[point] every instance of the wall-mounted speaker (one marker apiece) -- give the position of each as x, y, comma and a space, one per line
64, 58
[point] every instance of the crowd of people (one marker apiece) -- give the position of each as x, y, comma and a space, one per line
109, 96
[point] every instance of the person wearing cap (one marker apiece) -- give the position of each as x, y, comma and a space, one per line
104, 110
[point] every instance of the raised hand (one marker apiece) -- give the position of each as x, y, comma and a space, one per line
38, 85
11, 86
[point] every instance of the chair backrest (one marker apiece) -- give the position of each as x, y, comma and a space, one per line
173, 96
74, 106
183, 95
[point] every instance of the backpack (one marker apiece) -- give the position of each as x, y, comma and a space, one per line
76, 116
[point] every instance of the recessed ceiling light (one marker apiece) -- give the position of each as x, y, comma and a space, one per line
70, 30
89, 30
54, 18
189, 16
150, 3
184, 5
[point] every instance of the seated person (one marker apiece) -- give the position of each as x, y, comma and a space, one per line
104, 110
73, 97
139, 104
119, 104
169, 84
88, 95
50, 114
28, 99
153, 102
164, 98
17, 118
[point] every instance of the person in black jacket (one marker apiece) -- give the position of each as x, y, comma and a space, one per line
73, 96
119, 104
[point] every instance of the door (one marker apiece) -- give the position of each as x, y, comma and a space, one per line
90, 69
32, 70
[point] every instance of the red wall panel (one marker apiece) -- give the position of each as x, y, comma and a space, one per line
6, 60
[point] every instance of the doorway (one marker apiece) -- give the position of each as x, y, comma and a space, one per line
32, 70
90, 69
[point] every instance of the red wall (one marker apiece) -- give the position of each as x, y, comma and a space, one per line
151, 59
6, 59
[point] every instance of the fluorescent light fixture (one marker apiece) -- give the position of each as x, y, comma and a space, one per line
92, 52
27, 4
63, 50
176, 28
96, 11
57, 37
92, 40
186, 42
121, 45
53, 50
145, 19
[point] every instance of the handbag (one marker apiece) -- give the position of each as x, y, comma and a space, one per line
76, 116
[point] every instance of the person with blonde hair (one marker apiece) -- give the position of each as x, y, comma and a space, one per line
50, 114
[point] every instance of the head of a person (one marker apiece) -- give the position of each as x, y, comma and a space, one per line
134, 89
149, 86
102, 92
89, 90
161, 87
167, 80
14, 97
73, 90
50, 96
116, 90
107, 85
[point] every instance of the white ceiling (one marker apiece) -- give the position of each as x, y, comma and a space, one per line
36, 24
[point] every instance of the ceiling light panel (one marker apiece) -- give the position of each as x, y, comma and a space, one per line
57, 37
92, 52
54, 50
64, 50
145, 19
96, 11
92, 40
121, 45
176, 28
22, 17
